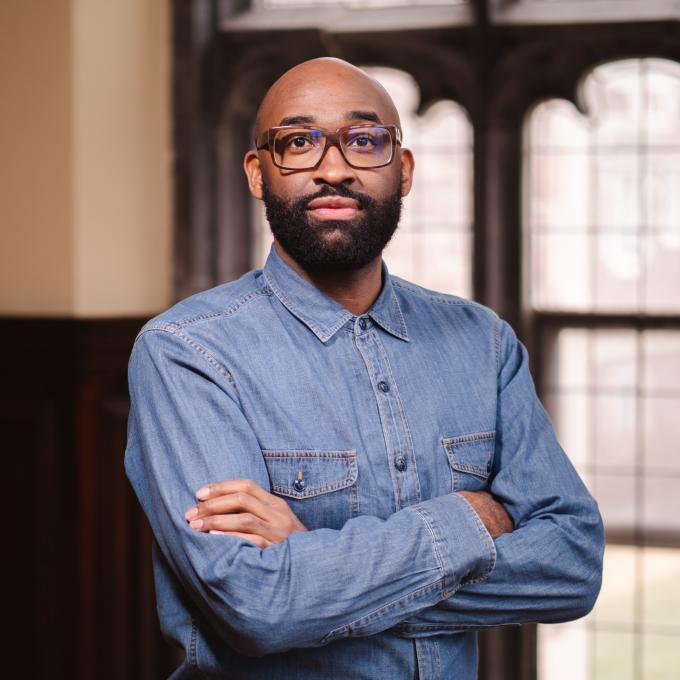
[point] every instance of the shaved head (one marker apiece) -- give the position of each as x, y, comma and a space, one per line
333, 216
336, 81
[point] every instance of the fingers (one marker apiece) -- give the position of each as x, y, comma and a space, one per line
241, 506
230, 486
238, 501
242, 522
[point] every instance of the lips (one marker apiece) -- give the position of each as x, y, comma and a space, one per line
333, 208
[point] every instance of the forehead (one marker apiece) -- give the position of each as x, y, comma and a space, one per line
329, 101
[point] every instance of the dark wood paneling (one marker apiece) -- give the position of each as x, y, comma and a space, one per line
33, 570
81, 600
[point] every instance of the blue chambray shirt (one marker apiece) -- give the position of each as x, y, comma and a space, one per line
368, 427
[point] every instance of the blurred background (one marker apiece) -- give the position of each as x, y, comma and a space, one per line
547, 141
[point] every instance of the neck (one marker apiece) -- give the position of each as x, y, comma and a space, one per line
355, 290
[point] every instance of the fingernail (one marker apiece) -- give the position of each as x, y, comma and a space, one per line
190, 513
203, 492
196, 524
215, 531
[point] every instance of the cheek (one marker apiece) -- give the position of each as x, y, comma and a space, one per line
288, 186
389, 184
384, 184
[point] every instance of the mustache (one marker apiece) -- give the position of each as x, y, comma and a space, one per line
341, 190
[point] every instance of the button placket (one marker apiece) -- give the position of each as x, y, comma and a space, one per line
395, 428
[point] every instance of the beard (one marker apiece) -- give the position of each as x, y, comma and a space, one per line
333, 245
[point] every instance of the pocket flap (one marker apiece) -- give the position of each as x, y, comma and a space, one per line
307, 473
471, 453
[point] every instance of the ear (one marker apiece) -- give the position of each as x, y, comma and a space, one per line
408, 165
253, 170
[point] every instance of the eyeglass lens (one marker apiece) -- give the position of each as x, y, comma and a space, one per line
364, 147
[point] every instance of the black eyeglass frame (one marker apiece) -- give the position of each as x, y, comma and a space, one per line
265, 140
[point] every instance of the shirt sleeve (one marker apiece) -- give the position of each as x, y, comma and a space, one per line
186, 429
549, 568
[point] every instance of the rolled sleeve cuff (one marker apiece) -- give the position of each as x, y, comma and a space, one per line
464, 548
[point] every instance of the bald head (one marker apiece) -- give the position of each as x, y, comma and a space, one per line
331, 215
323, 89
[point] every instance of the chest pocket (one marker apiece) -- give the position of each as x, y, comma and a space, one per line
470, 457
319, 486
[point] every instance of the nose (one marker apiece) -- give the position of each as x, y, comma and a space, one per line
333, 168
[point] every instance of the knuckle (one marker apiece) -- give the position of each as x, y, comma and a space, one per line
220, 524
248, 521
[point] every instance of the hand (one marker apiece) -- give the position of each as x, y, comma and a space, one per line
239, 507
490, 511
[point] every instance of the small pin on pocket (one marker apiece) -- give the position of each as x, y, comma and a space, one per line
299, 483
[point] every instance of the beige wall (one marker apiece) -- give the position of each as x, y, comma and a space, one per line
85, 226
36, 218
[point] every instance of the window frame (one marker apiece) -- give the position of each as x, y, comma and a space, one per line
544, 328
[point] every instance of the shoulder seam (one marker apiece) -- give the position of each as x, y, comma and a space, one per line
453, 300
207, 356
199, 318
241, 302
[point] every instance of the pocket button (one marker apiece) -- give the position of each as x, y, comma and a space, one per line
400, 463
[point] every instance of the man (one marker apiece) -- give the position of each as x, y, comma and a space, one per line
346, 474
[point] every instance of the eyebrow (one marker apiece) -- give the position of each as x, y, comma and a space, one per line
364, 115
302, 119
296, 120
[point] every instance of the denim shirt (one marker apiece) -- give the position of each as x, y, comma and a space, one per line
368, 427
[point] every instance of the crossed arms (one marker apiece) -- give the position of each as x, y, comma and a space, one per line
240, 508
429, 568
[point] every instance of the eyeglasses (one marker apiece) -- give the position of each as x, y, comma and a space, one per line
301, 147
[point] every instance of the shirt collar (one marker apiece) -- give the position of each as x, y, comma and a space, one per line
320, 313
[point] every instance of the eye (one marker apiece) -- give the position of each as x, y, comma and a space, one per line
298, 142
362, 140
366, 140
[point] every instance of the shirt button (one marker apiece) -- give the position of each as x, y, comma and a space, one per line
383, 386
362, 324
400, 463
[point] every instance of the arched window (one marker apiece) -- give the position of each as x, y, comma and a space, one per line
602, 233
433, 244
604, 208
